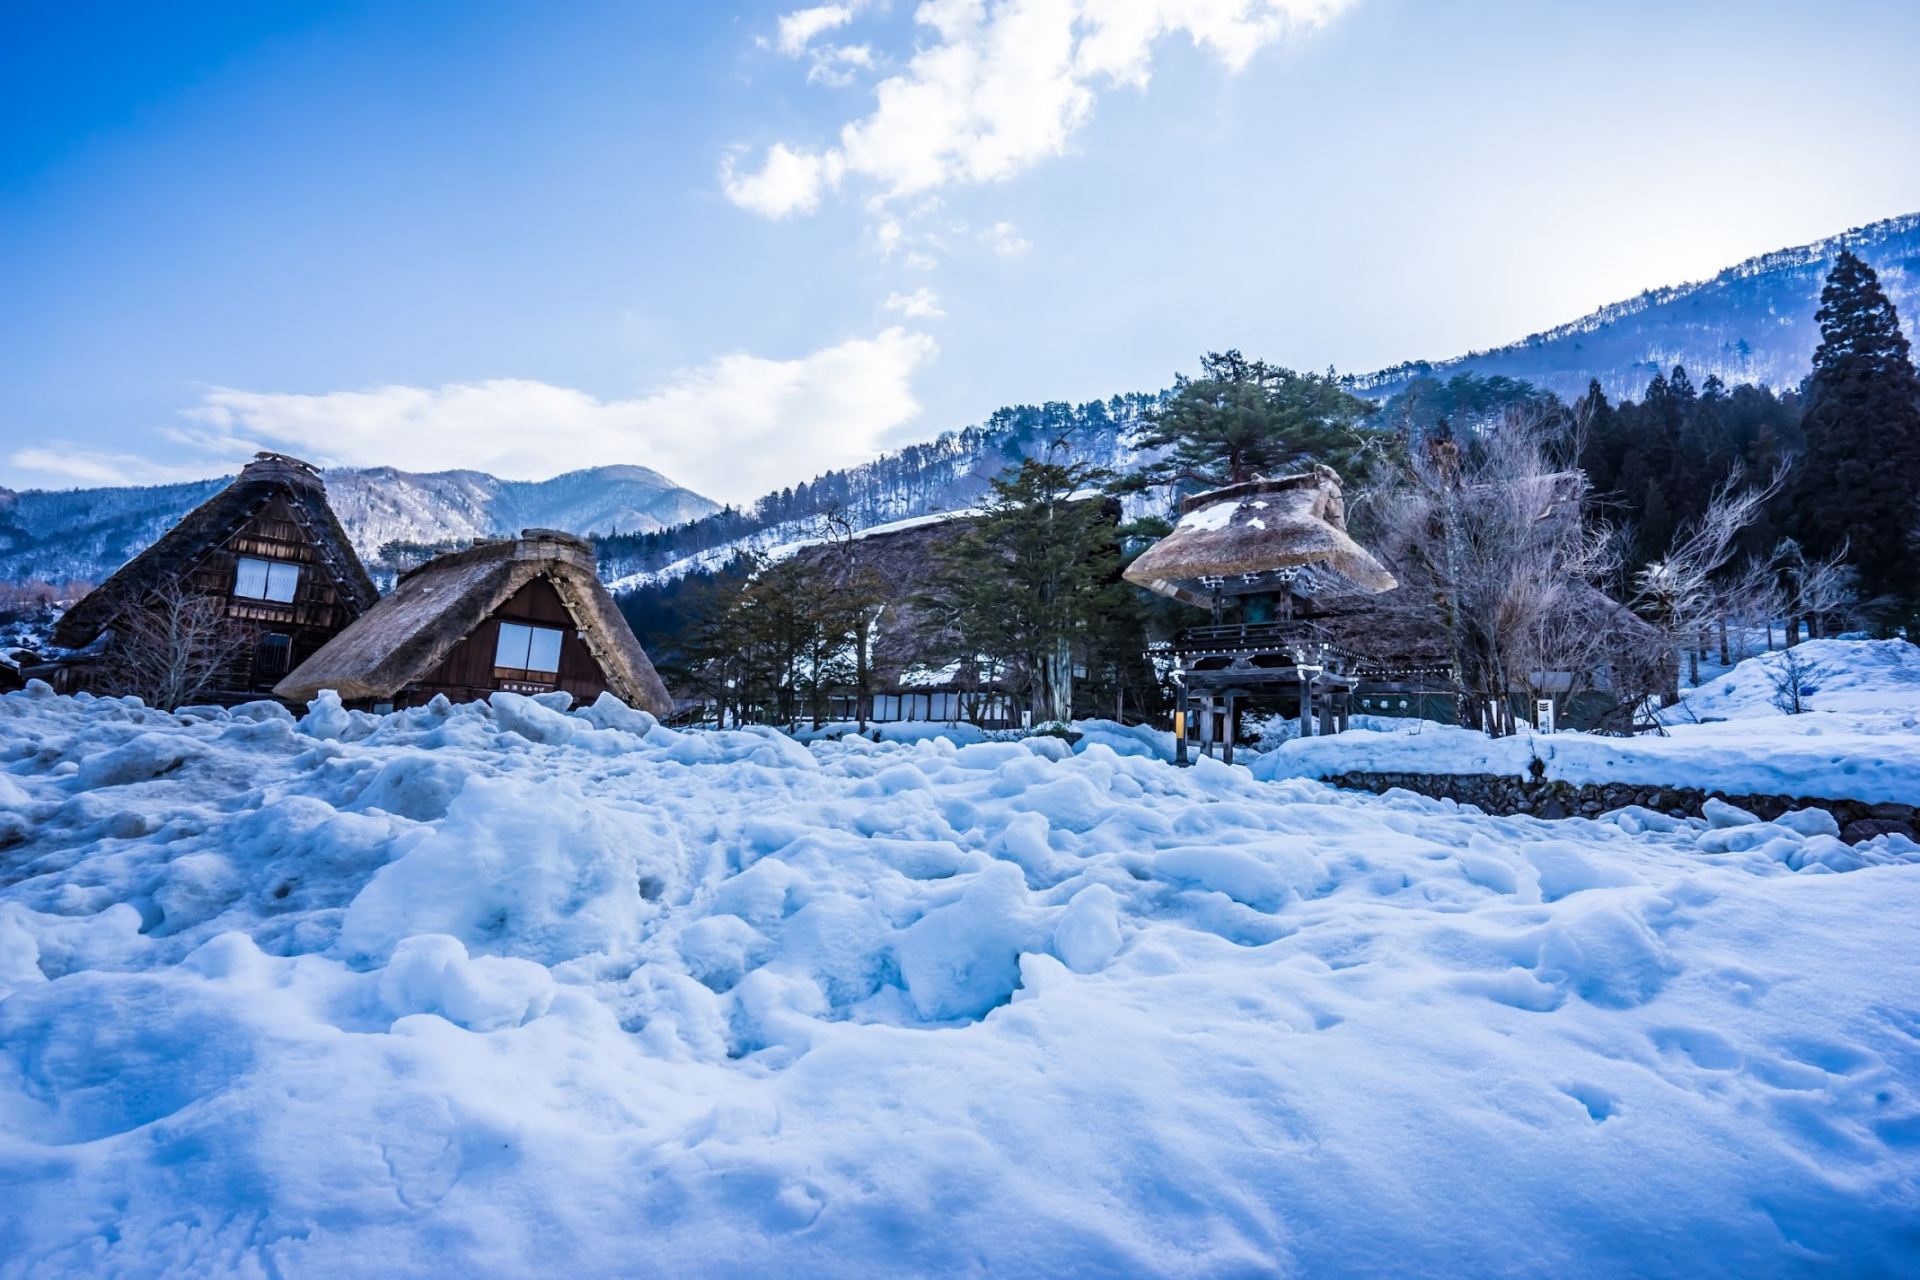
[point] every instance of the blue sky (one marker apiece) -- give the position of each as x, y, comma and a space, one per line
745, 244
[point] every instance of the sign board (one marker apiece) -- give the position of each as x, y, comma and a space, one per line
1543, 714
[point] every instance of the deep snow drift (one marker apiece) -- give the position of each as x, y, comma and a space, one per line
507, 989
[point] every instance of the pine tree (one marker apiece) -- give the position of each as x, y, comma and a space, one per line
1601, 441
1244, 418
1030, 578
1860, 473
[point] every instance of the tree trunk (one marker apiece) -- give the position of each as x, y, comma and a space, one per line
1060, 681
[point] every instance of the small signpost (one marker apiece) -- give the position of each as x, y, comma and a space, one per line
1543, 714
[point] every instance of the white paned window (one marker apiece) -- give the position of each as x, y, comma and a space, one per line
258, 579
524, 648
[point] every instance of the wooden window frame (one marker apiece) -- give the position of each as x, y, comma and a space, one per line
266, 585
528, 675
274, 640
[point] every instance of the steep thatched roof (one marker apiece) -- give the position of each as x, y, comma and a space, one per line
207, 527
902, 557
1229, 538
439, 604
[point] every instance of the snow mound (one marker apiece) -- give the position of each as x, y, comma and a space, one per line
518, 988
1870, 676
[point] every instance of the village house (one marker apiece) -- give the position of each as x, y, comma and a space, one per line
524, 615
263, 566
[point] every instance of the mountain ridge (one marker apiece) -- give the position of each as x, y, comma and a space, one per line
1750, 322
84, 534
1758, 325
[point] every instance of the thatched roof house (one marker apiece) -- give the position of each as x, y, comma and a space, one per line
1257, 537
268, 547
527, 615
901, 558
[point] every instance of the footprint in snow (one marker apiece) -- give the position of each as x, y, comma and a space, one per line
1703, 1048
1601, 1104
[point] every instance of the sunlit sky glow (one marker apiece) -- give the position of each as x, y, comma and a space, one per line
745, 245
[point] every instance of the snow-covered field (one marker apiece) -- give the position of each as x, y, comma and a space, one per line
508, 990
1859, 738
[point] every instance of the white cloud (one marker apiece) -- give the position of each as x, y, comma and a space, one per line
732, 428
830, 64
73, 465
839, 64
1005, 85
797, 29
921, 304
788, 181
1005, 239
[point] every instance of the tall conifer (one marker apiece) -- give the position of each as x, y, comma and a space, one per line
1859, 481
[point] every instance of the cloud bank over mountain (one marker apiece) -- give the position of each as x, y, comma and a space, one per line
732, 428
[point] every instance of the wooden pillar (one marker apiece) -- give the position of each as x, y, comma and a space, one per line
1326, 712
1227, 734
1306, 706
1342, 709
1180, 724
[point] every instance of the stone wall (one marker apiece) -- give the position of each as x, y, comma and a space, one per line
1546, 799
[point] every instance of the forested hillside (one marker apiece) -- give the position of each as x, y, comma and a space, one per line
947, 473
1752, 323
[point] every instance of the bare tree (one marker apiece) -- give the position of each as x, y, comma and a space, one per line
1814, 589
1748, 601
851, 611
172, 648
1488, 541
1788, 675
1681, 592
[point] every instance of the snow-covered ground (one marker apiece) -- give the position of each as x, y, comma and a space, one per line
1858, 739
1869, 678
509, 990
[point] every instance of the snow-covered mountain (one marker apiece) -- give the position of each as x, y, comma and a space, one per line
1753, 322
85, 534
380, 504
948, 473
